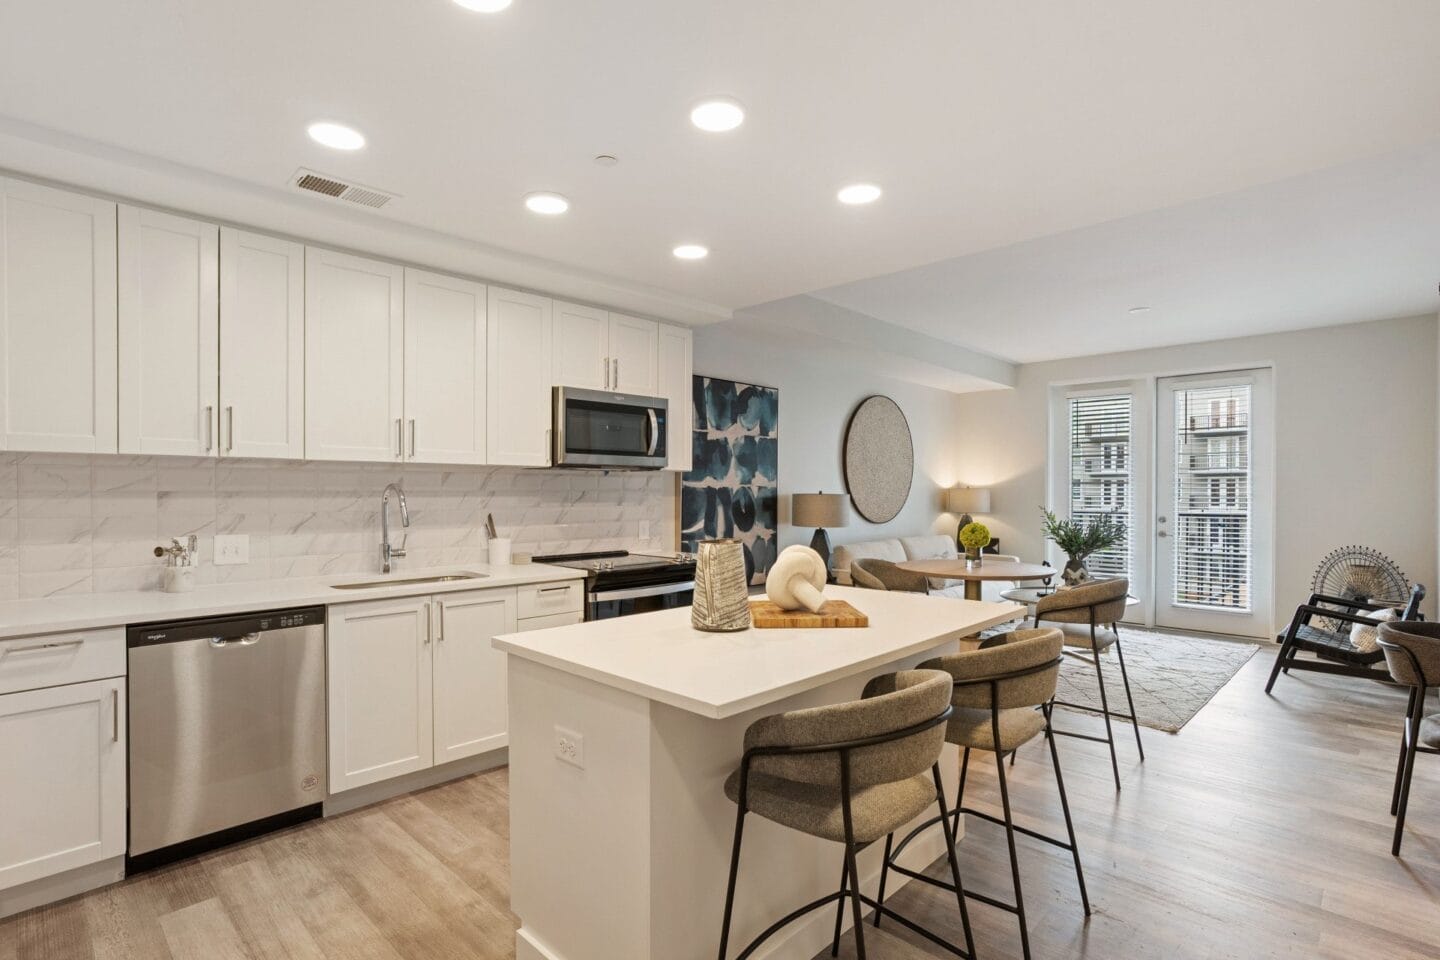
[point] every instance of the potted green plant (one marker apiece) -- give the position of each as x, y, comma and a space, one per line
974, 537
1079, 541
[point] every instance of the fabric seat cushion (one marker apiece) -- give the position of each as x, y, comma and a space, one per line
1430, 732
1077, 636
848, 553
816, 809
970, 727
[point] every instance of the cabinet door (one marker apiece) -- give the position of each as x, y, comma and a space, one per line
582, 347
169, 333
57, 321
518, 379
378, 668
633, 355
444, 368
676, 373
470, 705
262, 346
63, 753
354, 357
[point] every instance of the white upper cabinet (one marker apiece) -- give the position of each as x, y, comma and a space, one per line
169, 333
57, 321
633, 355
262, 346
444, 369
582, 347
354, 357
518, 379
676, 369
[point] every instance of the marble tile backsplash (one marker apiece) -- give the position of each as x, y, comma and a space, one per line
89, 524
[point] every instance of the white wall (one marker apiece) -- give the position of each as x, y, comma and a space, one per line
1356, 447
816, 401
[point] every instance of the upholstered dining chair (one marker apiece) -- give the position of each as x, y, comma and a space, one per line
1002, 699
1096, 604
1412, 652
850, 773
885, 575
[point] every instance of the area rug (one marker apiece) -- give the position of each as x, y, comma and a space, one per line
1172, 675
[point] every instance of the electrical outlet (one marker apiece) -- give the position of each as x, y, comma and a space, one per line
232, 549
570, 747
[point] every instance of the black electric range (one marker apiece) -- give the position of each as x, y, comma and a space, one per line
619, 583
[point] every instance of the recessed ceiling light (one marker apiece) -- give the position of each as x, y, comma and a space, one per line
549, 204
691, 251
336, 136
1138, 310
717, 114
858, 193
484, 6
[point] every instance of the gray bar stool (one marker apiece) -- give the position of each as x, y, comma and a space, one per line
1097, 603
851, 773
1002, 697
1412, 652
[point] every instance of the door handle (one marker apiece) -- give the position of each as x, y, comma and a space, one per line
230, 431
654, 431
209, 429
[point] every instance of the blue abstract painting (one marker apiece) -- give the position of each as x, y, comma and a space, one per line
732, 489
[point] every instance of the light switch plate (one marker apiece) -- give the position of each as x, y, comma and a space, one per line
232, 549
570, 747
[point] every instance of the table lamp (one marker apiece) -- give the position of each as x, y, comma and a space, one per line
965, 501
819, 510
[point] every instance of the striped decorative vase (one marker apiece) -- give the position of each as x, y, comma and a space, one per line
722, 597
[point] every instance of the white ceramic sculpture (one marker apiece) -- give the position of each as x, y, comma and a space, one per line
796, 579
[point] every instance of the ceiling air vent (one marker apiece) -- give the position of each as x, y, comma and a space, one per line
313, 182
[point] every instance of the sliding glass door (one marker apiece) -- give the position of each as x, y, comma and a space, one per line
1212, 504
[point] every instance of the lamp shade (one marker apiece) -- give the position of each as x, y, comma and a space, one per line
967, 500
819, 510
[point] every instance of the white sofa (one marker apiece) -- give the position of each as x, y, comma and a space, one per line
929, 547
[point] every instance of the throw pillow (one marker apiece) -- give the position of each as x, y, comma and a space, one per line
1364, 637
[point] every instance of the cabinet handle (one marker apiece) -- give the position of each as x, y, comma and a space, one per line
605, 371
399, 438
52, 645
615, 377
412, 439
209, 429
440, 634
561, 589
429, 622
230, 432
114, 715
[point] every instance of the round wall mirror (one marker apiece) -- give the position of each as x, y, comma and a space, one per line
879, 459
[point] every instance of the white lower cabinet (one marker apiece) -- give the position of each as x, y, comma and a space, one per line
415, 682
62, 750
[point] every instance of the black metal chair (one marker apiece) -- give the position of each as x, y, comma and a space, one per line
1330, 642
1412, 653
851, 773
1096, 603
1003, 697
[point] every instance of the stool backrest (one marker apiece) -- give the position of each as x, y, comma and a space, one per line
884, 575
1021, 672
806, 745
1106, 596
1412, 651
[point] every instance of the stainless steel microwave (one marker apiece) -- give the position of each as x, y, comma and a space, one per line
602, 430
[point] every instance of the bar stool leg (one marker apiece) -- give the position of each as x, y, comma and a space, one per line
1125, 676
1010, 836
730, 887
1400, 764
1105, 707
954, 864
850, 855
840, 907
1065, 808
960, 793
885, 871
1412, 735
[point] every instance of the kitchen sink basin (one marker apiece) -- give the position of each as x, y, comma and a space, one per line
409, 581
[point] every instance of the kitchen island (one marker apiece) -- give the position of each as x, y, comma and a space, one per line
622, 733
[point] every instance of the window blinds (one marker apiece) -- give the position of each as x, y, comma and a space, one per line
1212, 497
1101, 480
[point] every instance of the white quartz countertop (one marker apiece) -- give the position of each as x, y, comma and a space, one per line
660, 656
89, 611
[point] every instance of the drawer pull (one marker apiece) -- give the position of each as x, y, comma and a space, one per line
53, 645
564, 589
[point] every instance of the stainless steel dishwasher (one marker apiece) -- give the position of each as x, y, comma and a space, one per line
227, 730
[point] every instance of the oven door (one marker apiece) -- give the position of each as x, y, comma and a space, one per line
599, 429
607, 604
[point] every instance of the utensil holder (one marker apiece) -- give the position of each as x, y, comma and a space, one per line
500, 551
722, 595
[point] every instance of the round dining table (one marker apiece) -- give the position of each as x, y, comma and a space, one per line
958, 568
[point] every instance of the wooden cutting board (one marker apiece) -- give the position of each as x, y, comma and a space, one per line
766, 614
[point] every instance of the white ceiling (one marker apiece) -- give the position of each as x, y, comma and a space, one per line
987, 123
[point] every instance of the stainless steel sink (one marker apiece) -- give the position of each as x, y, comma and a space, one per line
409, 581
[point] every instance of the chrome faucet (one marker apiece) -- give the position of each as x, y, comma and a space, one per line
387, 552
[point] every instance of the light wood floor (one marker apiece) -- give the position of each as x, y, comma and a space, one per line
1261, 830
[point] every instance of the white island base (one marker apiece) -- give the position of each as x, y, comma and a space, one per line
620, 850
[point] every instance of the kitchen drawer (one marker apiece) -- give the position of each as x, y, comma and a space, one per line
545, 623
52, 659
544, 599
